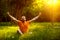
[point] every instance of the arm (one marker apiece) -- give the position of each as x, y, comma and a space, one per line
35, 18
12, 17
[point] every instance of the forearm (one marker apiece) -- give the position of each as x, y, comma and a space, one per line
12, 17
34, 18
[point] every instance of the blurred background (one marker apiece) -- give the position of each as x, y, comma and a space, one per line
47, 25
50, 10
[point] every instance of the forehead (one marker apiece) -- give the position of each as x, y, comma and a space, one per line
23, 16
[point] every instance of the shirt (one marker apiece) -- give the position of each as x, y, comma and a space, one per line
23, 26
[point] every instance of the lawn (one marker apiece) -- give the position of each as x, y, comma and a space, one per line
37, 31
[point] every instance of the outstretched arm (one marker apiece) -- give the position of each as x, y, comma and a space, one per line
35, 18
12, 17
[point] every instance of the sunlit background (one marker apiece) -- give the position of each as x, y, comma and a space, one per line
50, 9
47, 25
53, 8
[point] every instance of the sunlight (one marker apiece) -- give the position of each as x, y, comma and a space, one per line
52, 7
50, 2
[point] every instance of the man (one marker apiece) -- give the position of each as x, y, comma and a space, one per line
23, 24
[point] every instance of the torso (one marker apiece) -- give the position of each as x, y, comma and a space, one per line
23, 26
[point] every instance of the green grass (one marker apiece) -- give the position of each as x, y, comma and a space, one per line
37, 31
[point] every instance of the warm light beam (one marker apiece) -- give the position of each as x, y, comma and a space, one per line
52, 2
52, 7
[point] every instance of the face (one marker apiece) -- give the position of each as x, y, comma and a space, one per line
23, 18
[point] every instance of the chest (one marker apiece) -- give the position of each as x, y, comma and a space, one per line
23, 24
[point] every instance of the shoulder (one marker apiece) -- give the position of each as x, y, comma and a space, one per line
28, 21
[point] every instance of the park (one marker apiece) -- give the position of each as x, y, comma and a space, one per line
45, 26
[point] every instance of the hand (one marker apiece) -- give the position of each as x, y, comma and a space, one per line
8, 13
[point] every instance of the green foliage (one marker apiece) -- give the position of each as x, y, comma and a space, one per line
35, 7
4, 8
20, 7
6, 24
